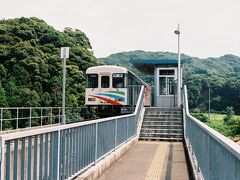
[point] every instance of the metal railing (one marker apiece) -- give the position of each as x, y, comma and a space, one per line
21, 117
216, 156
63, 152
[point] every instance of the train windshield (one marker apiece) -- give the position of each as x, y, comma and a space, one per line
118, 80
105, 81
92, 80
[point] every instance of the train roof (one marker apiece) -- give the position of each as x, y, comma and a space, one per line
107, 68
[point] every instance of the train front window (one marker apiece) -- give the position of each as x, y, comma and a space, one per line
118, 80
105, 81
92, 80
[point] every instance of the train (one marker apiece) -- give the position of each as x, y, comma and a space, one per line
113, 90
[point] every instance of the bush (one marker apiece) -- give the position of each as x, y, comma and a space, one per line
234, 125
229, 114
200, 116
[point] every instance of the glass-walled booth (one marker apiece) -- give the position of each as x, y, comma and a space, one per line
165, 75
165, 81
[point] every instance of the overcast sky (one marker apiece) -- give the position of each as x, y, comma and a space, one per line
208, 27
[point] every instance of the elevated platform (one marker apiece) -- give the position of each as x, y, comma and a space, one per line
150, 160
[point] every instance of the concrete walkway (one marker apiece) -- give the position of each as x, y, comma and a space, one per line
149, 160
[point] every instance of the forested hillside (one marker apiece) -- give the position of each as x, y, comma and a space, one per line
222, 74
31, 68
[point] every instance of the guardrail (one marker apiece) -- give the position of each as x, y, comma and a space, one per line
216, 156
63, 152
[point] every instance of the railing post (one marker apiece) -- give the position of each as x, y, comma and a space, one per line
51, 116
115, 135
58, 158
17, 119
59, 115
127, 127
30, 117
133, 98
96, 144
41, 116
1, 118
2, 160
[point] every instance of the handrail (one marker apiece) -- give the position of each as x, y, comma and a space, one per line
203, 140
33, 132
233, 147
65, 151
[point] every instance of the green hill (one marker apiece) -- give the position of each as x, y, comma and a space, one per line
223, 75
30, 64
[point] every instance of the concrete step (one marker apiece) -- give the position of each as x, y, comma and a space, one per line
161, 119
155, 130
160, 138
163, 109
160, 134
164, 115
164, 112
162, 123
162, 126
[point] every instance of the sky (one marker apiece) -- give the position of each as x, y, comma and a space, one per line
209, 28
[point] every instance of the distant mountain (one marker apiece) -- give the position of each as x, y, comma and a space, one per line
222, 74
222, 66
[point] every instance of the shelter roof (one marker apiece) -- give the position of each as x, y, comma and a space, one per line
147, 65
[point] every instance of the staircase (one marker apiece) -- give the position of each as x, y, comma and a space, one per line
162, 124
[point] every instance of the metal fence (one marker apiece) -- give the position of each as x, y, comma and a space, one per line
217, 157
63, 152
22, 117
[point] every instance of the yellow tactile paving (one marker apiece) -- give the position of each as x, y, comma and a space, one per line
155, 169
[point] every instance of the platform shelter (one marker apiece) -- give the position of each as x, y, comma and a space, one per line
165, 79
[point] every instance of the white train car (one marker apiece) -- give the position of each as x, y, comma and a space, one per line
112, 89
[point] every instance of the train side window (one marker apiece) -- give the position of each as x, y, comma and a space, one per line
92, 80
118, 80
105, 81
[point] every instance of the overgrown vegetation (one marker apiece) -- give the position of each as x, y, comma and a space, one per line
31, 68
227, 124
201, 116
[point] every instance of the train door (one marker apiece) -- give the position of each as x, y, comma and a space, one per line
104, 89
119, 85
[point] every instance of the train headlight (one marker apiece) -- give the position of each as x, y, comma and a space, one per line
91, 99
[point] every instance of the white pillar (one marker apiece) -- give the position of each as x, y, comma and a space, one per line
64, 55
179, 69
63, 92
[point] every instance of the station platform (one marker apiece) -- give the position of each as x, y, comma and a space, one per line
150, 160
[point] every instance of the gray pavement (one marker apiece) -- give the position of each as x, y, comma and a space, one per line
150, 160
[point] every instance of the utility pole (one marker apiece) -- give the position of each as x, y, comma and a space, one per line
209, 102
177, 32
64, 55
